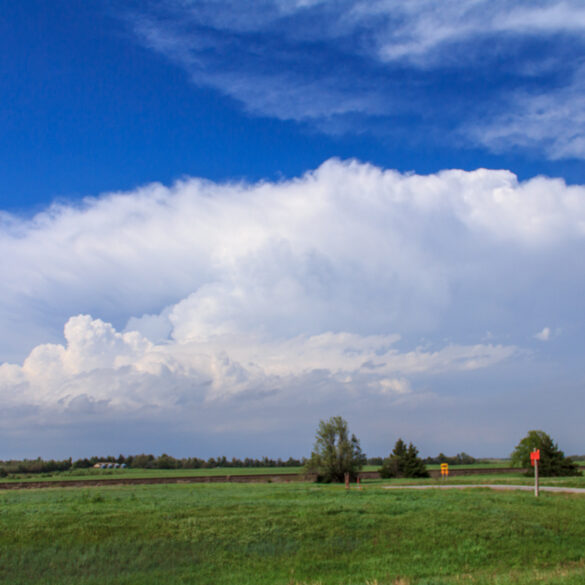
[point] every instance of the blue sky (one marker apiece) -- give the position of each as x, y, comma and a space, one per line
221, 221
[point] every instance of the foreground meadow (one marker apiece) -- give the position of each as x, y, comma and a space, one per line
288, 534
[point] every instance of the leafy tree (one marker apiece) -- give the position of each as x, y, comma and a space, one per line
403, 462
552, 460
459, 459
375, 460
141, 461
165, 462
82, 464
334, 452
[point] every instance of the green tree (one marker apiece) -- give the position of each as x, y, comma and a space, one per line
335, 453
403, 462
552, 460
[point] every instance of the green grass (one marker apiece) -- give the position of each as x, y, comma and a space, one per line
106, 474
93, 474
489, 478
490, 463
240, 534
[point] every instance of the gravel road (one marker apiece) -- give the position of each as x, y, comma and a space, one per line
524, 488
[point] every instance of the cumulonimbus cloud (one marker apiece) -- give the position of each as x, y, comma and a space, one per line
350, 275
100, 368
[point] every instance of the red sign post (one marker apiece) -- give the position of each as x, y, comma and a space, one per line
534, 459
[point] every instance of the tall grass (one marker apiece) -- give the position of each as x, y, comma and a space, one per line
289, 534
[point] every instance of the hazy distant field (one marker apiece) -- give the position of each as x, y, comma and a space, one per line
147, 473
105, 474
482, 465
289, 533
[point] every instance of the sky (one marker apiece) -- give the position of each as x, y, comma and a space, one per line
222, 221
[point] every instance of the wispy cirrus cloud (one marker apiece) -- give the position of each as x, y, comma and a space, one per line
497, 70
427, 32
553, 121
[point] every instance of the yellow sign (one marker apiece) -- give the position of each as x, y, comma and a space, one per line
444, 469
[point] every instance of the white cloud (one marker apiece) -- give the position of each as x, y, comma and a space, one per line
543, 335
394, 386
263, 78
340, 65
288, 258
125, 372
425, 31
391, 29
345, 284
548, 119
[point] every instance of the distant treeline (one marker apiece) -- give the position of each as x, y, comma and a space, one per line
459, 459
34, 466
164, 461
142, 461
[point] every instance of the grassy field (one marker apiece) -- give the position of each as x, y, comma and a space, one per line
491, 463
289, 534
503, 478
146, 473
105, 474
113, 474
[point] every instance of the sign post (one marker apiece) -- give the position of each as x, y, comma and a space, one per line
534, 459
444, 470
